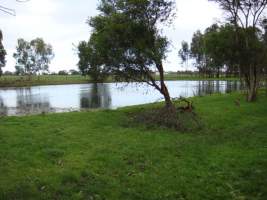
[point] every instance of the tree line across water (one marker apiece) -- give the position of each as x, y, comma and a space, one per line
127, 43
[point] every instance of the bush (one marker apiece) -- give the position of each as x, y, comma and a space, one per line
63, 72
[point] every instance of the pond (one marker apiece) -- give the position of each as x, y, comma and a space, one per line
66, 98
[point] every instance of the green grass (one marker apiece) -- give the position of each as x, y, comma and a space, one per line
99, 155
195, 77
21, 81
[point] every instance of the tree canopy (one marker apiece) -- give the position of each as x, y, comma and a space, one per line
127, 36
90, 62
247, 17
33, 57
184, 52
2, 54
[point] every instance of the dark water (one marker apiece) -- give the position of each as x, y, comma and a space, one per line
65, 98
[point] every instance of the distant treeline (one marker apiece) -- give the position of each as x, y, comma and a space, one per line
61, 72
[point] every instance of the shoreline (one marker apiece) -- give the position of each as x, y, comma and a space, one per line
18, 82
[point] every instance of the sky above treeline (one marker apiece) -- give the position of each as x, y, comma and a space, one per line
62, 23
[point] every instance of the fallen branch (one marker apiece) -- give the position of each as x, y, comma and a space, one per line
189, 105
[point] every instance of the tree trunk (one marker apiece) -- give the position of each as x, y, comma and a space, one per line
165, 92
163, 88
29, 77
252, 83
218, 73
252, 94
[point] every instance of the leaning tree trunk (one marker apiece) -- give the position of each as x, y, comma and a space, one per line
166, 94
163, 88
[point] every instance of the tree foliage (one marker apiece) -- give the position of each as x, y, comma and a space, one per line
198, 50
184, 52
127, 36
33, 57
217, 49
247, 17
2, 54
243, 13
90, 62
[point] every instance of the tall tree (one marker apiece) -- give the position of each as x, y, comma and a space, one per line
215, 49
33, 57
90, 62
42, 55
246, 16
128, 38
184, 52
219, 47
2, 54
197, 51
83, 54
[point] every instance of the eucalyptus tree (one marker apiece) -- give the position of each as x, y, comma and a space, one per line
42, 55
33, 57
23, 57
2, 54
128, 37
184, 52
246, 16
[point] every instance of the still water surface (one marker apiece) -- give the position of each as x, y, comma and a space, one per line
65, 98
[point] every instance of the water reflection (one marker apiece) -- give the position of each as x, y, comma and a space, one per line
64, 98
3, 108
31, 103
211, 87
98, 96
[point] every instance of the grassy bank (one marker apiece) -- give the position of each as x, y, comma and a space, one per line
196, 77
21, 81
98, 155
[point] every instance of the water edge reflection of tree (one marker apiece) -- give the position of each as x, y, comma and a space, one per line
204, 88
29, 103
3, 108
98, 96
211, 87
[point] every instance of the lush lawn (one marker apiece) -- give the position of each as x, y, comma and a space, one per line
20, 81
99, 155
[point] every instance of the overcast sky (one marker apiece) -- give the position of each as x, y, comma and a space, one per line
62, 23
